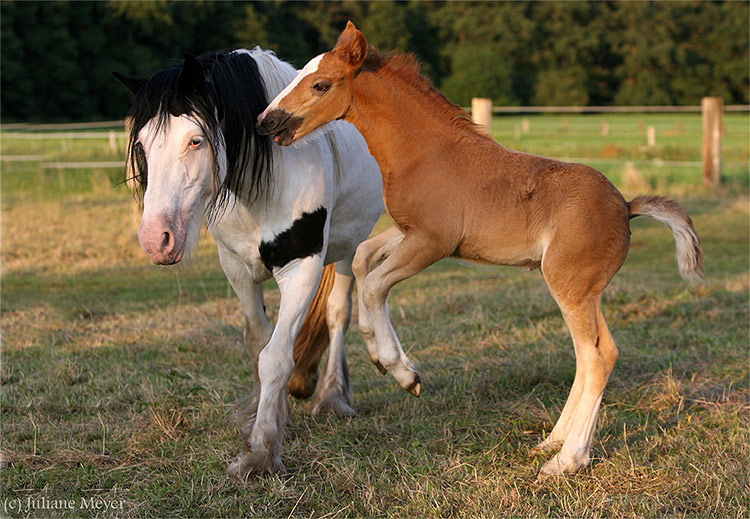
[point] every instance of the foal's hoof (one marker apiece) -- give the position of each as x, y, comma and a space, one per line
561, 465
248, 464
544, 448
416, 387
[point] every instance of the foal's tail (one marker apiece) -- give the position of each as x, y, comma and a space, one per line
672, 214
312, 339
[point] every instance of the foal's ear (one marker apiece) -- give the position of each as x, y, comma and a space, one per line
191, 78
134, 84
352, 45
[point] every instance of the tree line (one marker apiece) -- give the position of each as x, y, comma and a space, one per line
57, 56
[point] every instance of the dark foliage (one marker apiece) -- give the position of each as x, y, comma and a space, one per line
56, 56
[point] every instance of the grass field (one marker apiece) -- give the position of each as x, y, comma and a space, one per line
118, 377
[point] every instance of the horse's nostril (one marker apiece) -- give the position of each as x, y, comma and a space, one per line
166, 240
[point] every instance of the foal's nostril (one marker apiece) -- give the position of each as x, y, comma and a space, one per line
266, 125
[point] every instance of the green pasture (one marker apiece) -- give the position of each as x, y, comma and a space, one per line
119, 377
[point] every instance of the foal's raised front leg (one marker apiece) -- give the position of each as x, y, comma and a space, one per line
411, 255
298, 280
333, 393
367, 257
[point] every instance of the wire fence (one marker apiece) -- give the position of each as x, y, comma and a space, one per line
113, 132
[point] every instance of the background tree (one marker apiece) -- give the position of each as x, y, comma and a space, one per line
57, 56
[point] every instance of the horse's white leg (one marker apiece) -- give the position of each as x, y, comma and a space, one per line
368, 254
412, 255
257, 330
250, 293
298, 280
333, 393
596, 354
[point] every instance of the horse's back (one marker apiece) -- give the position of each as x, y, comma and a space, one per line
357, 199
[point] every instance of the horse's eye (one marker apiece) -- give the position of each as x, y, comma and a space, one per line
196, 141
321, 87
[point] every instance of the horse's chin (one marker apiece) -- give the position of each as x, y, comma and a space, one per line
172, 258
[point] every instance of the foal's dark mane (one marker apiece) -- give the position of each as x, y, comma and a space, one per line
405, 68
226, 104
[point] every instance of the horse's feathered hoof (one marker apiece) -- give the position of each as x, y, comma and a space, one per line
333, 403
248, 464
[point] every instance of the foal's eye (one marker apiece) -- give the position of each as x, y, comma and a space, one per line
321, 86
196, 141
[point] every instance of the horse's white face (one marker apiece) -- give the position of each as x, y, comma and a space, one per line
179, 187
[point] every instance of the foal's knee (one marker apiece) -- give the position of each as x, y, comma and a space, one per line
361, 262
373, 291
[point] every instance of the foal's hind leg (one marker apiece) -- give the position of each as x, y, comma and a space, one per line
333, 393
560, 431
595, 357
368, 255
412, 255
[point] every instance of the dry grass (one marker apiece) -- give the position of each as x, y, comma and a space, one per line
119, 379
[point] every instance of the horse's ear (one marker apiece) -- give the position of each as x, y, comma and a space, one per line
134, 84
352, 45
191, 78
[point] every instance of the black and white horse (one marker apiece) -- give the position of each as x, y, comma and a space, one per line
281, 212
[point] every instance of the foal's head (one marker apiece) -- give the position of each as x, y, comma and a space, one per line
320, 93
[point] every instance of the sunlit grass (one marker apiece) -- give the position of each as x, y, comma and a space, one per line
118, 377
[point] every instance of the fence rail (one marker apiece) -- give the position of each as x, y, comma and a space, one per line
606, 109
711, 110
62, 126
34, 136
495, 109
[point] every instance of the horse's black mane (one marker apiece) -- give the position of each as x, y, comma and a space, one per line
227, 103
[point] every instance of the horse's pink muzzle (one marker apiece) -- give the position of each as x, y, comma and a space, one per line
157, 238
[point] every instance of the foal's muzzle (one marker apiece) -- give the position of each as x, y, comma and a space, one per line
280, 124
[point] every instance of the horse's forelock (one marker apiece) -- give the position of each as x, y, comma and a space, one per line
226, 110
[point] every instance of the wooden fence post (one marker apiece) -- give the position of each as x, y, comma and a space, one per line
525, 125
481, 113
712, 109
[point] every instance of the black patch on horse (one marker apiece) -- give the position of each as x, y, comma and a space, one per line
225, 91
304, 238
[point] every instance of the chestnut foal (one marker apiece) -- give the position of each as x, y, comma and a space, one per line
452, 191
